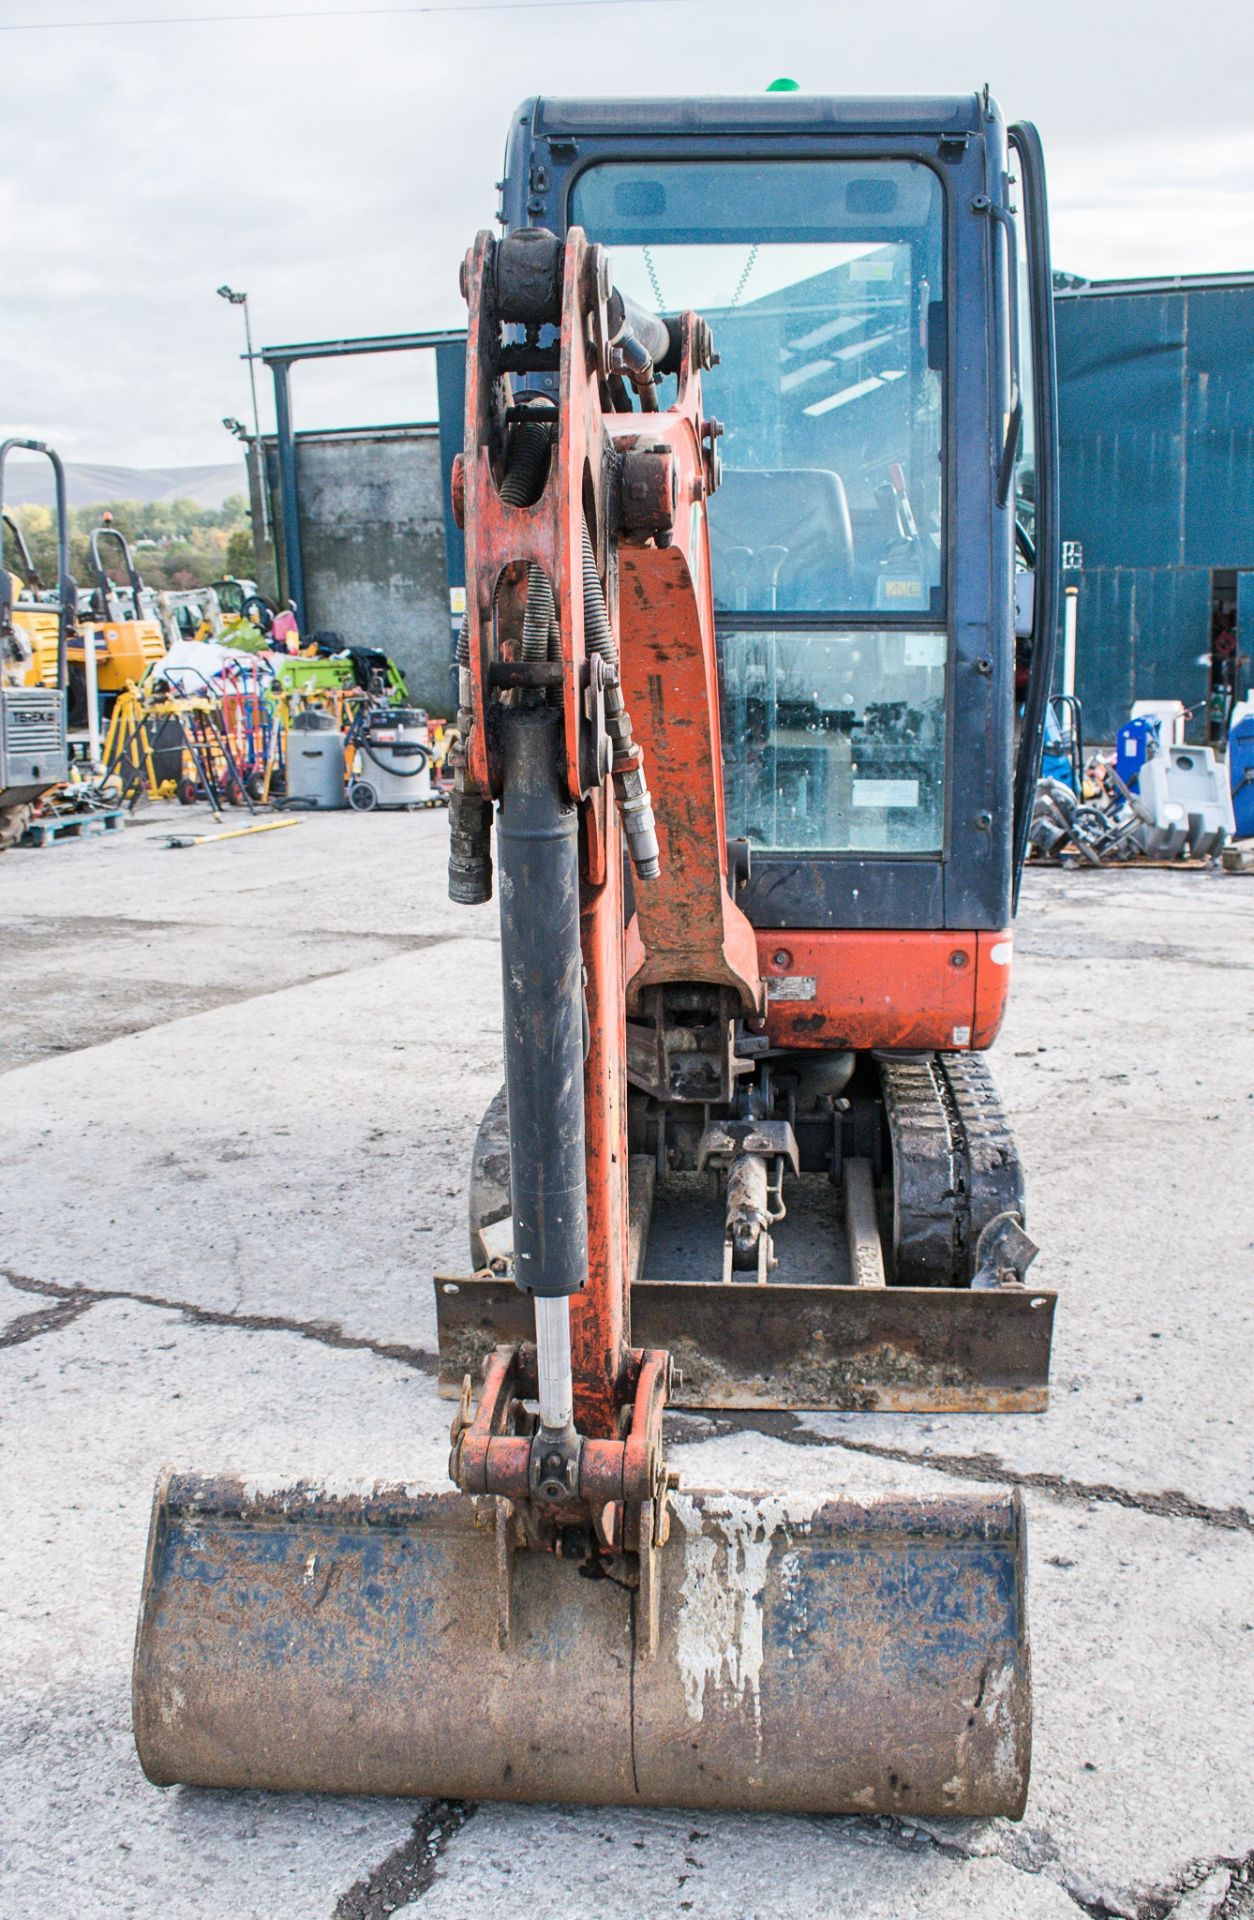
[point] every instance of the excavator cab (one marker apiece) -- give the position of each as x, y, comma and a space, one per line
875, 277
745, 399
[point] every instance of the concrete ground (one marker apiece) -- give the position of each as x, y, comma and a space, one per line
239, 1089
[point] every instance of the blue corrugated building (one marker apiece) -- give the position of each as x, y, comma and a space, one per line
1156, 399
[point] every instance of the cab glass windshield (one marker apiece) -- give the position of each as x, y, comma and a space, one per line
831, 343
823, 283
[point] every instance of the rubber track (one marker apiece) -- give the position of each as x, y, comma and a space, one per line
955, 1165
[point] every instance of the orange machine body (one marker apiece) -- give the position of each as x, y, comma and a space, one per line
863, 989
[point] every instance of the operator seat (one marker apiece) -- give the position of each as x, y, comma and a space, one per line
781, 539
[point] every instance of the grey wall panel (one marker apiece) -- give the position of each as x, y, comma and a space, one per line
372, 540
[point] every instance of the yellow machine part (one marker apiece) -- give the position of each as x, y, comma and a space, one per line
38, 627
39, 624
130, 647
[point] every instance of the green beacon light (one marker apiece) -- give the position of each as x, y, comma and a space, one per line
784, 86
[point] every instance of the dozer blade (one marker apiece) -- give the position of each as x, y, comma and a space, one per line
847, 1657
836, 1348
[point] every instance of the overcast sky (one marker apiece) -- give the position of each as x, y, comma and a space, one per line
337, 167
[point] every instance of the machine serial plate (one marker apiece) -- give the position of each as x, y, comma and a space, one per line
793, 986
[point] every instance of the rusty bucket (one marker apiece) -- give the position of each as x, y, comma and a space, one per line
849, 1656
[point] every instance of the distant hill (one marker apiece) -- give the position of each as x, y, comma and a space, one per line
28, 483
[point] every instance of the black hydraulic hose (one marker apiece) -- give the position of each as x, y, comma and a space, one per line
630, 788
598, 636
654, 336
648, 328
401, 773
540, 616
521, 486
470, 813
527, 465
539, 634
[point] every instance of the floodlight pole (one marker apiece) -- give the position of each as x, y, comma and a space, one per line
241, 300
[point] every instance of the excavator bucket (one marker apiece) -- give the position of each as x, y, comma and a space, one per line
846, 1656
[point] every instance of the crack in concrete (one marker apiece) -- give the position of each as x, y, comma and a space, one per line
909, 1838
29, 1326
1036, 1854
327, 1333
1033, 1855
40, 931
1164, 1901
1169, 1504
409, 1870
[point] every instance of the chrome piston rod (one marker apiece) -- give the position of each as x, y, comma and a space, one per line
553, 1368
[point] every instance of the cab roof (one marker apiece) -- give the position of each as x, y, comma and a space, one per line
757, 113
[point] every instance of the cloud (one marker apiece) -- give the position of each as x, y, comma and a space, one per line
1196, 216
337, 169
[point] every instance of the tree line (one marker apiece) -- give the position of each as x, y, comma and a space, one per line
175, 543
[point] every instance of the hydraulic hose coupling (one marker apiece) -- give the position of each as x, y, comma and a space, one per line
469, 848
635, 803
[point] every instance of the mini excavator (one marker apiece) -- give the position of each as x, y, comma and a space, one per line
738, 758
